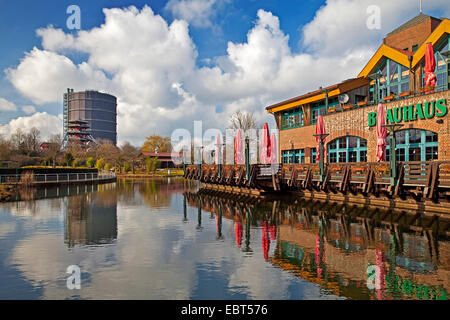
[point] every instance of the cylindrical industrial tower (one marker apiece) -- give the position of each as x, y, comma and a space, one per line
98, 109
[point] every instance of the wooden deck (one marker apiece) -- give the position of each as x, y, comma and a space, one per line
421, 186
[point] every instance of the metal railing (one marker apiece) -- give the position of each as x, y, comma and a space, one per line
56, 177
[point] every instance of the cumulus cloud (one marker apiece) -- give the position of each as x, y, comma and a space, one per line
341, 25
151, 65
43, 76
196, 12
6, 105
46, 123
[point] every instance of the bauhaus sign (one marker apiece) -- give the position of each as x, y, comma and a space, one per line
427, 110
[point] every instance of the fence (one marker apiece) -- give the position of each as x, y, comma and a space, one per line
57, 177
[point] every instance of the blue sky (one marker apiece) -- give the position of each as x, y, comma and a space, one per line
241, 55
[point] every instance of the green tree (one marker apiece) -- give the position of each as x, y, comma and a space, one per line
107, 167
155, 142
151, 164
127, 167
100, 164
68, 159
90, 162
75, 162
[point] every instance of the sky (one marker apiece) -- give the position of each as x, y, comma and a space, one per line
174, 62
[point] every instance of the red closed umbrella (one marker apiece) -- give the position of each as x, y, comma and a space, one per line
381, 133
430, 66
238, 148
273, 149
320, 129
265, 144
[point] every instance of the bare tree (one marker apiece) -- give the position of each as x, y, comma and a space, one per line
243, 120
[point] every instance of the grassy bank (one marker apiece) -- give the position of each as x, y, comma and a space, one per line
156, 174
5, 193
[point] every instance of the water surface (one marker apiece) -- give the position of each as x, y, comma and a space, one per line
162, 239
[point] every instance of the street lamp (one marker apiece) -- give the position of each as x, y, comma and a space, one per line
199, 165
392, 128
247, 157
321, 136
326, 96
220, 157
375, 77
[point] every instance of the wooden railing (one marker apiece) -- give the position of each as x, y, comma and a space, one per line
426, 179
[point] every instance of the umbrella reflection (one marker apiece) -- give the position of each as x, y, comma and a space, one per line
265, 242
238, 233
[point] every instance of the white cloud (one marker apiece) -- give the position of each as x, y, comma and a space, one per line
29, 109
341, 25
150, 65
47, 124
6, 105
196, 12
43, 76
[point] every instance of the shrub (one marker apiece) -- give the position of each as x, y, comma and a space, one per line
107, 167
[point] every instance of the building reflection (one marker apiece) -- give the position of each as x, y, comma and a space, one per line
336, 246
91, 219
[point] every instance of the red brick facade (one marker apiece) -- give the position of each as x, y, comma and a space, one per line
414, 35
355, 123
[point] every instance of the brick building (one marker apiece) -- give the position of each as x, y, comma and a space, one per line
394, 76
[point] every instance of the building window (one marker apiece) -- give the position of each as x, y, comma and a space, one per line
347, 149
313, 155
441, 66
414, 145
394, 79
292, 119
293, 156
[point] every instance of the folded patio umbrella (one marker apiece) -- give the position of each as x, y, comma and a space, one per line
381, 133
273, 149
265, 144
238, 148
430, 66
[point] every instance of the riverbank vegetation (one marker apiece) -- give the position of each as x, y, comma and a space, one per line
30, 150
6, 193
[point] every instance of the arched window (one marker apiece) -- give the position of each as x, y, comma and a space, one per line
414, 145
347, 149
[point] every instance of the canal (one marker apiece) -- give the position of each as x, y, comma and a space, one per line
162, 239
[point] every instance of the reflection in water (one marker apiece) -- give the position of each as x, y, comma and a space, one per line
150, 240
336, 248
91, 219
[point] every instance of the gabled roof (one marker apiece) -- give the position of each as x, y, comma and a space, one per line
402, 56
411, 23
442, 31
384, 51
